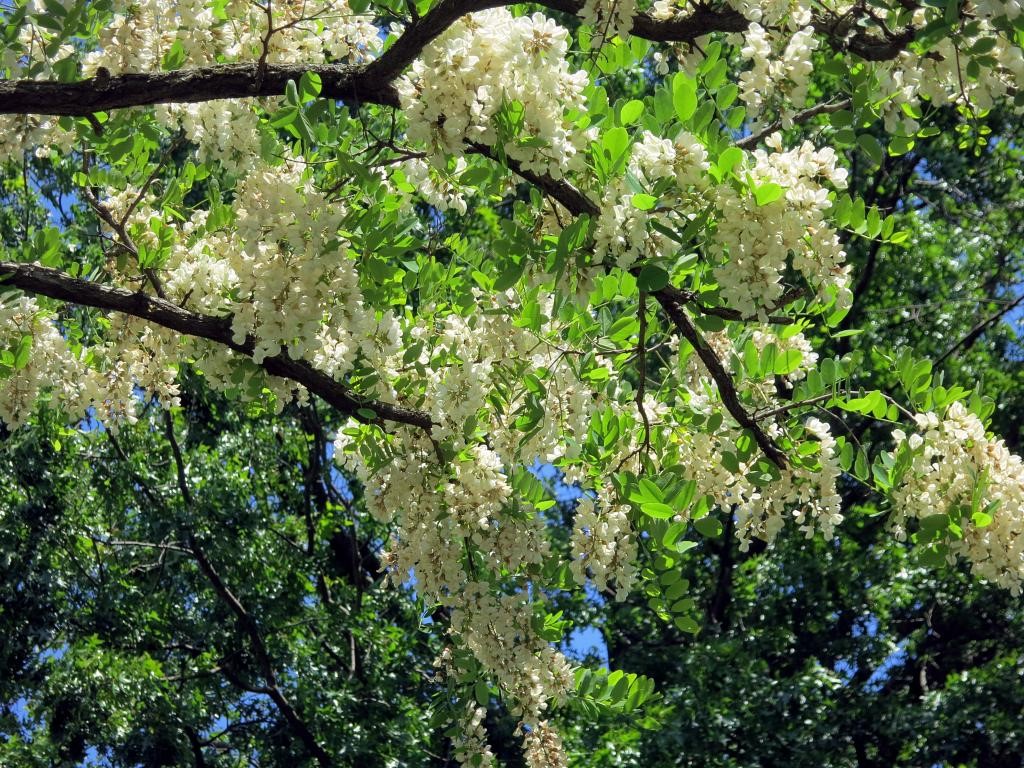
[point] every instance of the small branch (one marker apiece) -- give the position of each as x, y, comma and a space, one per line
671, 300
726, 388
179, 141
751, 141
124, 240
141, 544
972, 336
762, 415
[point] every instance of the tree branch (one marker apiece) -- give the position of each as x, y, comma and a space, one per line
188, 86
751, 141
372, 83
53, 283
972, 336
245, 619
671, 300
726, 389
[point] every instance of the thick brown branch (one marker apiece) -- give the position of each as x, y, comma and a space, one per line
372, 83
223, 81
846, 35
53, 283
561, 190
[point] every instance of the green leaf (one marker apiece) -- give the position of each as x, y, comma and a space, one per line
644, 202
291, 93
860, 466
657, 510
631, 111
684, 96
572, 237
787, 362
615, 148
482, 693
475, 176
687, 624
309, 86
652, 278
842, 118
174, 58
284, 117
872, 147
730, 462
620, 689
767, 193
729, 159
22, 352
709, 526
510, 276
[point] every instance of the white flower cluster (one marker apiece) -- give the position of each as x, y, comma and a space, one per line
776, 78
471, 747
543, 747
283, 273
664, 10
471, 543
20, 134
959, 471
488, 61
780, 44
140, 356
280, 271
436, 186
790, 14
297, 287
142, 34
49, 366
806, 496
100, 380
756, 242
487, 343
225, 131
608, 18
460, 535
623, 233
943, 76
603, 546
498, 629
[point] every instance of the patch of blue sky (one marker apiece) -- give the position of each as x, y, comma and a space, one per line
586, 644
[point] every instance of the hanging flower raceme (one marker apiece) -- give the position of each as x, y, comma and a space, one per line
965, 487
501, 81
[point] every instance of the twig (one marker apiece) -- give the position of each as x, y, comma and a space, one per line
726, 388
968, 340
748, 142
